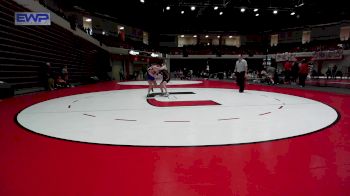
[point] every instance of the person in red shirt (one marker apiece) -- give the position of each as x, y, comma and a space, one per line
287, 71
303, 72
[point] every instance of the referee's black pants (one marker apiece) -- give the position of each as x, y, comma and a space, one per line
240, 80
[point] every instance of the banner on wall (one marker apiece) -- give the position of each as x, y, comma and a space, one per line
320, 55
328, 55
285, 57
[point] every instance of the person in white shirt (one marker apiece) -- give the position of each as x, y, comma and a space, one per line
207, 71
241, 71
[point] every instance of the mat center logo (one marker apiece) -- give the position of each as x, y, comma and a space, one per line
153, 101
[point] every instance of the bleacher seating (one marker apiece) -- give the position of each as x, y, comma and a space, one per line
24, 50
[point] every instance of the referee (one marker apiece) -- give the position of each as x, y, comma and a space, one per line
241, 71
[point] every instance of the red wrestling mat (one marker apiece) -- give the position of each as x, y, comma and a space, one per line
313, 164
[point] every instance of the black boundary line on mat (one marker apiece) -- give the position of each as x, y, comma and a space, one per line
266, 113
121, 119
89, 115
179, 146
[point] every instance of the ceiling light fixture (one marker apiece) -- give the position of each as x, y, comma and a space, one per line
256, 9
193, 8
168, 8
300, 3
216, 8
154, 55
275, 11
182, 12
242, 9
133, 52
221, 13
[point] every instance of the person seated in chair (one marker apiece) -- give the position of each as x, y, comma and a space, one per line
60, 83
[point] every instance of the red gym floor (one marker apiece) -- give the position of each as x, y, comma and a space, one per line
317, 163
